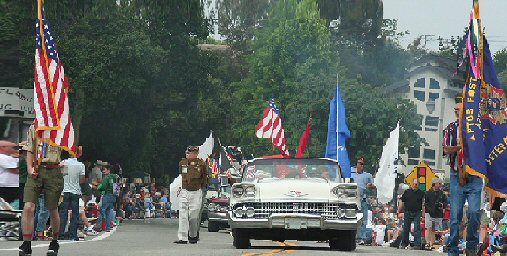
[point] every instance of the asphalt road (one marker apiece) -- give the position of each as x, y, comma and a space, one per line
155, 237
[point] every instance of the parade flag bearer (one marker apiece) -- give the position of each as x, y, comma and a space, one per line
50, 133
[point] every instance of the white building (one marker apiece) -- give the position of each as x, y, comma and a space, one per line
16, 113
432, 85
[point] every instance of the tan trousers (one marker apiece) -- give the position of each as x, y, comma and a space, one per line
190, 206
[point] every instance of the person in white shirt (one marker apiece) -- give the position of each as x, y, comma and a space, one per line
72, 180
9, 171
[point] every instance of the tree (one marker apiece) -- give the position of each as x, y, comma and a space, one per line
501, 66
291, 61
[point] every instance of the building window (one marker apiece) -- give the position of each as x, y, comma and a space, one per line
420, 83
434, 96
414, 152
430, 129
431, 163
431, 121
429, 154
413, 162
420, 95
434, 84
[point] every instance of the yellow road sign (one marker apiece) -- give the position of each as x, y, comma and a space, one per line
423, 173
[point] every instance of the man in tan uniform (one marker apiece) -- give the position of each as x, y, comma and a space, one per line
46, 178
194, 179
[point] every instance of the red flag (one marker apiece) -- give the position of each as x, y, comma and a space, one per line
303, 142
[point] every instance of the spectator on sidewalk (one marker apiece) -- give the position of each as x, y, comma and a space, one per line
87, 229
364, 182
411, 205
72, 180
107, 198
42, 216
9, 171
435, 203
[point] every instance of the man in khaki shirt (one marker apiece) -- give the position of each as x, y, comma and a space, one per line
47, 179
194, 178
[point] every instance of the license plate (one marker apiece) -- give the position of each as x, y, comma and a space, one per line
293, 223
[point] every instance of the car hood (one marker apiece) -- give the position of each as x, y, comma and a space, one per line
293, 189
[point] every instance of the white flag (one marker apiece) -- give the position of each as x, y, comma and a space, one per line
386, 174
174, 193
206, 149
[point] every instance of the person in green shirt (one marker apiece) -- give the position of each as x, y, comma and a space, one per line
108, 199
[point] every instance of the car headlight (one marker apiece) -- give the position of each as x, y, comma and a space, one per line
238, 191
345, 191
240, 211
350, 213
250, 191
340, 213
250, 212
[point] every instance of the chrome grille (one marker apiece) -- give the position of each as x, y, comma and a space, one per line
264, 210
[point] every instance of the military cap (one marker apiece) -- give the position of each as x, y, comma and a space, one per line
194, 149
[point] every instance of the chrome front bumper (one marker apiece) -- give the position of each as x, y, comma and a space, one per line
296, 221
218, 217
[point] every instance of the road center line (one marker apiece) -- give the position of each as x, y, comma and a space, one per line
273, 252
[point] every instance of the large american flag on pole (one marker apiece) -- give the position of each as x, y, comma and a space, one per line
51, 87
270, 127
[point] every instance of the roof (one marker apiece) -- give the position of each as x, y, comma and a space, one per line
444, 67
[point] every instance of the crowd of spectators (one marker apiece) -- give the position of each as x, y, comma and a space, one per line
385, 223
106, 200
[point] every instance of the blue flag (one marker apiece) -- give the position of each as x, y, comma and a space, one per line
484, 126
338, 133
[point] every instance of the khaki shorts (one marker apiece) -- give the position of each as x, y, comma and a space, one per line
432, 223
49, 182
484, 218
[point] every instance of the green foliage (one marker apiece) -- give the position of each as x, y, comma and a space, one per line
294, 61
291, 61
501, 66
372, 115
142, 89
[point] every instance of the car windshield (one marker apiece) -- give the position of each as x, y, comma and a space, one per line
273, 169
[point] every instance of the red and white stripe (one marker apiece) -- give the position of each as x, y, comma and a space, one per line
270, 126
52, 112
45, 112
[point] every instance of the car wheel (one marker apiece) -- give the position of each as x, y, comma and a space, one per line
346, 241
213, 226
240, 239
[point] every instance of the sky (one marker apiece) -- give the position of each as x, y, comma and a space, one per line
447, 18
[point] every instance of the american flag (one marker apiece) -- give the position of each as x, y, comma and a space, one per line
51, 102
250, 172
270, 127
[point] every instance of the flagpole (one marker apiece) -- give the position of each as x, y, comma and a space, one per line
337, 125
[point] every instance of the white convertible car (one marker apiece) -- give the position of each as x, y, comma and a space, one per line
294, 199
